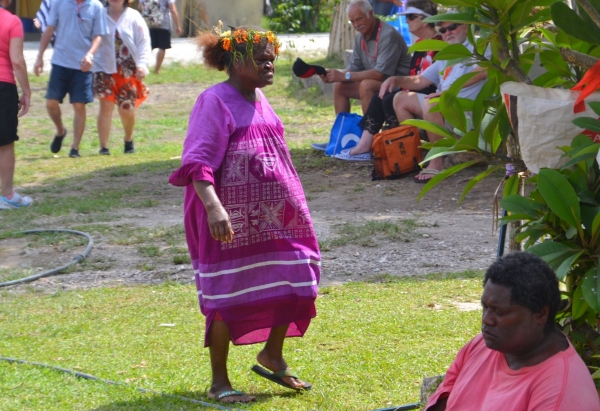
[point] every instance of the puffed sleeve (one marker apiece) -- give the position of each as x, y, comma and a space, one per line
210, 126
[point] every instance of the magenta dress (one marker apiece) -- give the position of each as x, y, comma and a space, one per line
268, 275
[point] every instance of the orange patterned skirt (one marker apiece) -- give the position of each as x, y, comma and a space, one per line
126, 92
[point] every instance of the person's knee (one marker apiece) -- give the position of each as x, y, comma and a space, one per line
369, 86
339, 90
402, 102
79, 108
52, 104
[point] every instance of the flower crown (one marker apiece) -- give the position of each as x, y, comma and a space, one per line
228, 39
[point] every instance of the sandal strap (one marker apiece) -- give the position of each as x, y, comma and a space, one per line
285, 373
229, 393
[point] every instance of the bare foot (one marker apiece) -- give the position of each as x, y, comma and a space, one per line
427, 174
230, 396
276, 365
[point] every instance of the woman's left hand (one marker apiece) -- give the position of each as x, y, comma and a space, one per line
140, 73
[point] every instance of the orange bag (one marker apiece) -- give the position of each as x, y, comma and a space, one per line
396, 152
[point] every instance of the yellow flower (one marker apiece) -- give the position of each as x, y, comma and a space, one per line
270, 37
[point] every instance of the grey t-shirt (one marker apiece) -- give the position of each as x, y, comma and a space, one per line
387, 54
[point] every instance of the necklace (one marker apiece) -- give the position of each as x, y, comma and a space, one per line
364, 45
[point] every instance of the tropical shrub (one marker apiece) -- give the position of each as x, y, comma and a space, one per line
301, 16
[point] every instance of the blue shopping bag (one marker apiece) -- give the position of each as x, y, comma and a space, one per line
345, 133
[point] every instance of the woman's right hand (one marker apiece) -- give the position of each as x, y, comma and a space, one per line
219, 224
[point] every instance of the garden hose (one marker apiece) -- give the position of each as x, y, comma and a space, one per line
77, 259
91, 377
407, 407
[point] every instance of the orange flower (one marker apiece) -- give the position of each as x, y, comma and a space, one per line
226, 44
256, 38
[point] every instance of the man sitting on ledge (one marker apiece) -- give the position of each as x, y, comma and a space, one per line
379, 52
520, 361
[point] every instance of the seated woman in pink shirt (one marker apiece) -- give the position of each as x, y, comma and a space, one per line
520, 361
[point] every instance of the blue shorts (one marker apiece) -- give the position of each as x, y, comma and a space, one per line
75, 82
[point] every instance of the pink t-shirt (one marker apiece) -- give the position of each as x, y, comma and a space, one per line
480, 379
10, 27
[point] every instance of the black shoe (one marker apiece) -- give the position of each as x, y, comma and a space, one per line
74, 153
57, 142
104, 151
129, 147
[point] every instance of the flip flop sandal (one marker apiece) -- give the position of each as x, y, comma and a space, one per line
229, 393
277, 377
431, 172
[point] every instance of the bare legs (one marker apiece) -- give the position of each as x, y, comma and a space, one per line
55, 114
7, 168
270, 357
128, 121
160, 56
344, 91
407, 105
53, 108
105, 121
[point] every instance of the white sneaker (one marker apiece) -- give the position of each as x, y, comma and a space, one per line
18, 201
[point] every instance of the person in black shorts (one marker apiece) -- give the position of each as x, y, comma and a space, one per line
11, 45
160, 36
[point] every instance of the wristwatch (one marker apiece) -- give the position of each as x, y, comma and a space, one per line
348, 76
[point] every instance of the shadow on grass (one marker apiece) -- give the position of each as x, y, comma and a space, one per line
171, 402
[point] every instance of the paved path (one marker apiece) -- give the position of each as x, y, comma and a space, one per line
185, 50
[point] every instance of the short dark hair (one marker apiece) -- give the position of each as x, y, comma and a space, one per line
532, 283
427, 6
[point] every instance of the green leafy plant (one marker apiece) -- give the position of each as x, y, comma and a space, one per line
300, 16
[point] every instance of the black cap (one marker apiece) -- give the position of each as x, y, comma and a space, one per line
304, 70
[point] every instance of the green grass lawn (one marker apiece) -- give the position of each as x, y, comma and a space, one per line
369, 347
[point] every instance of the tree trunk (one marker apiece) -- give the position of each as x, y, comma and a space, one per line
341, 35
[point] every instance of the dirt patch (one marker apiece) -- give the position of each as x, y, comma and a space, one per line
446, 237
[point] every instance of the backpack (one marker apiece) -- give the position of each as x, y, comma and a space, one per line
396, 152
153, 13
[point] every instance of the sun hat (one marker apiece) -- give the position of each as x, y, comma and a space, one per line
414, 10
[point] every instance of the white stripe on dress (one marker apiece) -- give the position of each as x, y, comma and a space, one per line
257, 288
261, 264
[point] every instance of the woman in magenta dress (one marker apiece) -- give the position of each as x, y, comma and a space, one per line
253, 247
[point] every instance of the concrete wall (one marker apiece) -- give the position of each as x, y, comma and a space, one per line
205, 14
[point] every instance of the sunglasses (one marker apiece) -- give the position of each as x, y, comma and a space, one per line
411, 17
451, 27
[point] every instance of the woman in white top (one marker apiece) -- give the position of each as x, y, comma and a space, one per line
120, 64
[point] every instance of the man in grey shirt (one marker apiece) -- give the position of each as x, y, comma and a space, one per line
379, 52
